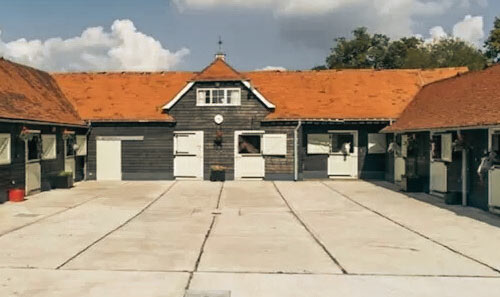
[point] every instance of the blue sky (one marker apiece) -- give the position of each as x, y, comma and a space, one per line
295, 34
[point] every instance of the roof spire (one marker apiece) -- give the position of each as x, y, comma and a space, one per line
220, 54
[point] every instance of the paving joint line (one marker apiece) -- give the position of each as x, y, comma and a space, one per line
202, 248
411, 230
261, 272
50, 215
117, 228
304, 225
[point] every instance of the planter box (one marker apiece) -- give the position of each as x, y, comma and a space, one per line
218, 175
412, 184
62, 181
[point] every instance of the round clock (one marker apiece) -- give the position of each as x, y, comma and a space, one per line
218, 119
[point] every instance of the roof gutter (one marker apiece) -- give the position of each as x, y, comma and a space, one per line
330, 120
444, 129
32, 122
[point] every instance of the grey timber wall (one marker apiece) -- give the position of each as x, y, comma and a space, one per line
13, 174
150, 159
370, 166
248, 116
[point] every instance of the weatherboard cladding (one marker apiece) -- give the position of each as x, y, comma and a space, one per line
247, 116
13, 174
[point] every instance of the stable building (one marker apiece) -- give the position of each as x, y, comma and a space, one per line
41, 134
449, 140
278, 125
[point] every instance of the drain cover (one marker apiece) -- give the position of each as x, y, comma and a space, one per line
196, 293
27, 215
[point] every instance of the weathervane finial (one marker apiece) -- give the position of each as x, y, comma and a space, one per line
220, 54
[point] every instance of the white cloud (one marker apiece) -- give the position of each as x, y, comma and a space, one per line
437, 33
122, 48
272, 68
471, 29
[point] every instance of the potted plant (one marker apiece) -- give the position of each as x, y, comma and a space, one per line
217, 173
63, 180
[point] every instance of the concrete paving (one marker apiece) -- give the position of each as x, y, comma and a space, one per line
331, 238
366, 243
470, 231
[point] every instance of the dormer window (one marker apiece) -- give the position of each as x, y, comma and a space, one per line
218, 96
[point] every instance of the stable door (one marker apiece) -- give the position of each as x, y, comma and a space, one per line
343, 158
188, 155
249, 161
33, 166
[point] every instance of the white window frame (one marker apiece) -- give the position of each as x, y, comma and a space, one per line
200, 102
82, 149
53, 156
8, 147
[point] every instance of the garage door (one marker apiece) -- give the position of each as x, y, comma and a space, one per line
109, 160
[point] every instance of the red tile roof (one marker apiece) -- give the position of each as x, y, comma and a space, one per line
122, 96
343, 94
30, 94
219, 70
472, 99
331, 94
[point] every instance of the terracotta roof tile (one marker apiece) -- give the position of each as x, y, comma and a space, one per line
219, 70
30, 94
344, 94
471, 99
129, 96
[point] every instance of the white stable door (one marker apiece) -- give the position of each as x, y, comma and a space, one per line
343, 158
109, 160
249, 161
188, 155
438, 177
399, 168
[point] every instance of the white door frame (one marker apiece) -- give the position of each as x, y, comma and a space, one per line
399, 160
201, 175
491, 131
237, 155
354, 155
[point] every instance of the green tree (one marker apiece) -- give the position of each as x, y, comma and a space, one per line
452, 52
363, 51
378, 51
492, 45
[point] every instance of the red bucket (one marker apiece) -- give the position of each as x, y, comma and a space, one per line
16, 195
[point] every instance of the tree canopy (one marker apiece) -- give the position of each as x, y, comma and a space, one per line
492, 44
379, 52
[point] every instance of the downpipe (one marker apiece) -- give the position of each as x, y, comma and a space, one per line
296, 151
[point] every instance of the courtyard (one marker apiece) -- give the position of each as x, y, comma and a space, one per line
314, 238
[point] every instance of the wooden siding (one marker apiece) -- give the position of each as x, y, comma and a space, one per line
477, 143
150, 159
370, 166
16, 170
247, 116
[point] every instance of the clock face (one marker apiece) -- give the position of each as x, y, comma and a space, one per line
218, 119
